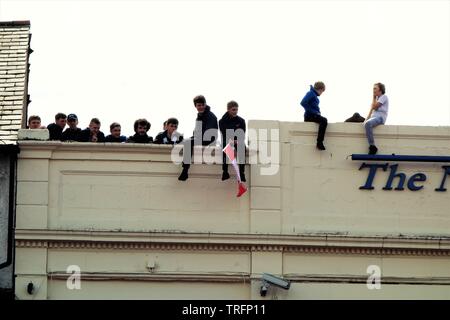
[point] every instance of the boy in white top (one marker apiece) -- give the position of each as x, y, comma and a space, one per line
377, 115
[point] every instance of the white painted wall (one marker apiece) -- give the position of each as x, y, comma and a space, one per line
110, 209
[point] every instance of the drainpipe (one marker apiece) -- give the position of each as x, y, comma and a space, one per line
12, 151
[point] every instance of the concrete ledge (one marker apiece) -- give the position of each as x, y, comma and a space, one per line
33, 134
348, 129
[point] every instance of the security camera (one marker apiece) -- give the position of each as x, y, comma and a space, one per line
264, 289
277, 281
30, 288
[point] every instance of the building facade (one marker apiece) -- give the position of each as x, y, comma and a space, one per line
111, 221
14, 52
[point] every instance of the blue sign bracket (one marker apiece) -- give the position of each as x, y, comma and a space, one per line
393, 157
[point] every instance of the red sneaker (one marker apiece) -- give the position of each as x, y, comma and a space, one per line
241, 189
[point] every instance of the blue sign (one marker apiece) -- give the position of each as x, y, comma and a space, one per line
413, 183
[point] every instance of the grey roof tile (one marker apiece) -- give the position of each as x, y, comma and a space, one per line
11, 127
16, 89
12, 97
6, 85
7, 107
16, 71
20, 80
11, 117
9, 138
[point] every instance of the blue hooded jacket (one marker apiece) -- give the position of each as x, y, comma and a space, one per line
311, 102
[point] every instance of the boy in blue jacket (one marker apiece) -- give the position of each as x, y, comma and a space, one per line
312, 111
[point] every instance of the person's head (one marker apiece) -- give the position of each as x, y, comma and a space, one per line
141, 126
115, 129
34, 122
61, 119
319, 86
378, 89
72, 121
165, 125
200, 103
232, 108
94, 126
172, 125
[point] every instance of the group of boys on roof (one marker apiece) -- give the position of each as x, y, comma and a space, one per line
207, 121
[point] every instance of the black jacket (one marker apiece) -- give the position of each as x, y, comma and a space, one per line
85, 136
163, 138
55, 131
71, 134
209, 121
110, 138
140, 139
227, 123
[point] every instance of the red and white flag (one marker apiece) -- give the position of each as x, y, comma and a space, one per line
229, 151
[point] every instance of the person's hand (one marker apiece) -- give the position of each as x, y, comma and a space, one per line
94, 138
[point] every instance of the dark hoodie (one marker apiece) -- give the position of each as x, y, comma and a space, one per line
209, 121
311, 103
137, 138
85, 136
110, 138
55, 131
228, 122
71, 134
163, 138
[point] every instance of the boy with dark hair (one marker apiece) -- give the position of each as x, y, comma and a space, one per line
141, 127
55, 129
72, 133
115, 136
312, 111
170, 135
232, 127
34, 122
206, 121
92, 133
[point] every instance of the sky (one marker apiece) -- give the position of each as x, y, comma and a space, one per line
123, 60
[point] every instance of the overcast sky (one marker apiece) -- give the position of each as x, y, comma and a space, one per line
122, 60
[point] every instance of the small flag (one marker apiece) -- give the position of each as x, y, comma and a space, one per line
229, 151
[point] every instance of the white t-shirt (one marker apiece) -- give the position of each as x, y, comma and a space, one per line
382, 111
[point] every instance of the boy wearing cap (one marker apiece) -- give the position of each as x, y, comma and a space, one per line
72, 133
